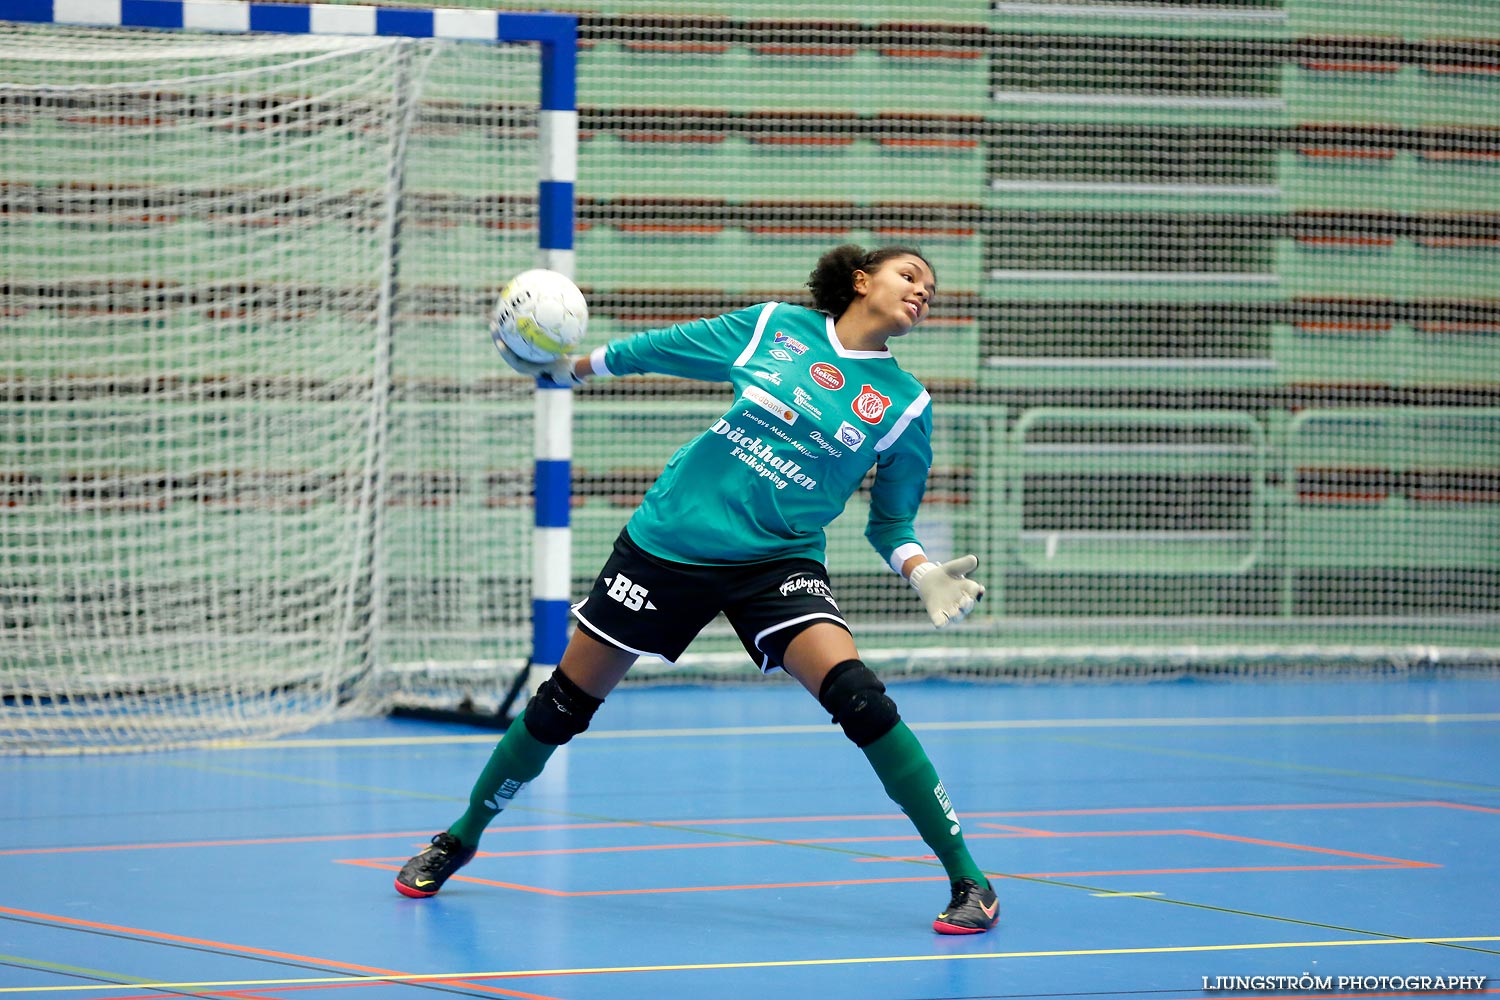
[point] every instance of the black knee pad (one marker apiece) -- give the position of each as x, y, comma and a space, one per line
856, 699
559, 710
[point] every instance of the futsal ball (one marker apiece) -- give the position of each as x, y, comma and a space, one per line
540, 314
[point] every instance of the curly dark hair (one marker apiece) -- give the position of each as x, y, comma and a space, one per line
832, 280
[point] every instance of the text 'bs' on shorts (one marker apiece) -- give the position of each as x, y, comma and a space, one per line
655, 607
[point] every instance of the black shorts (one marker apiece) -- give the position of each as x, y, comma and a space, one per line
655, 607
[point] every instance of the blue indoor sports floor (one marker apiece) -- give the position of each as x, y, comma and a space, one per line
728, 843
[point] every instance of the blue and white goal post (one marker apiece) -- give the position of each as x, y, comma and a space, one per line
557, 135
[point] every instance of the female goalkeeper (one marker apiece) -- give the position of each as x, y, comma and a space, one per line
735, 524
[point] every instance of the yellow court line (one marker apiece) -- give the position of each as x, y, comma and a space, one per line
430, 977
990, 724
39, 965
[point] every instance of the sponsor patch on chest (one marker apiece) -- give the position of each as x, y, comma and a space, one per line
771, 404
826, 375
850, 436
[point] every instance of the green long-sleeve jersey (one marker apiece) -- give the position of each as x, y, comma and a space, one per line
809, 419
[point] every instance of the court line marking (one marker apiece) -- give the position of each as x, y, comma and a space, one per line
1060, 883
1153, 722
422, 836
1020, 876
223, 948
1374, 862
1225, 758
782, 964
1378, 937
42, 965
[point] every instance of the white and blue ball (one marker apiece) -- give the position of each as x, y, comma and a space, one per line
540, 315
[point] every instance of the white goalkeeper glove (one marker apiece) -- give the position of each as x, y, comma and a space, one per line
946, 588
558, 371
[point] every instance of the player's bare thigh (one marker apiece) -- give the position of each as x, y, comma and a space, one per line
816, 650
595, 666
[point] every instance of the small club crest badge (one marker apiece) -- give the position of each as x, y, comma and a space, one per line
870, 405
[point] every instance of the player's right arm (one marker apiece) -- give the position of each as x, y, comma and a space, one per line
704, 349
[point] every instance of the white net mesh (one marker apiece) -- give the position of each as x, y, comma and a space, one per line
1214, 357
227, 262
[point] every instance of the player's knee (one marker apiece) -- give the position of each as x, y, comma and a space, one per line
559, 710
856, 699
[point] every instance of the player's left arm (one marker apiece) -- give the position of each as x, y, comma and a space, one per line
896, 494
895, 497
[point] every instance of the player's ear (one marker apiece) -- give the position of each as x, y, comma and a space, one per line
861, 281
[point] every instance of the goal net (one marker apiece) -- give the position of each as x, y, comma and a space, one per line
249, 410
1213, 359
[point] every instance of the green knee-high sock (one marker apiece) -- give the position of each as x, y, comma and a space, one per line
912, 783
517, 759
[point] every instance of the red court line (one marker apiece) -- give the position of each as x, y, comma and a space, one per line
1257, 807
712, 844
569, 893
1397, 862
242, 842
423, 835
1469, 808
1361, 996
279, 989
1400, 862
242, 949
1235, 870
1108, 811
804, 841
1374, 862
302, 989
663, 890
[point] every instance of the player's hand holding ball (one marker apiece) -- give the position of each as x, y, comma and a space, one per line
539, 315
558, 371
946, 590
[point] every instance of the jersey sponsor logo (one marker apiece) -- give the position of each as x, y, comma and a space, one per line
870, 405
781, 355
771, 404
801, 583
762, 458
803, 400
827, 375
629, 593
772, 377
776, 429
851, 436
826, 445
790, 343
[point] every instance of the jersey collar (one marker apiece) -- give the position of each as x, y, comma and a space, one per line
844, 352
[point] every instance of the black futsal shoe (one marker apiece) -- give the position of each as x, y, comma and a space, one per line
425, 874
972, 910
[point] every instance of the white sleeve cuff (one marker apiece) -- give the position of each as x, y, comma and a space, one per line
905, 552
596, 362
